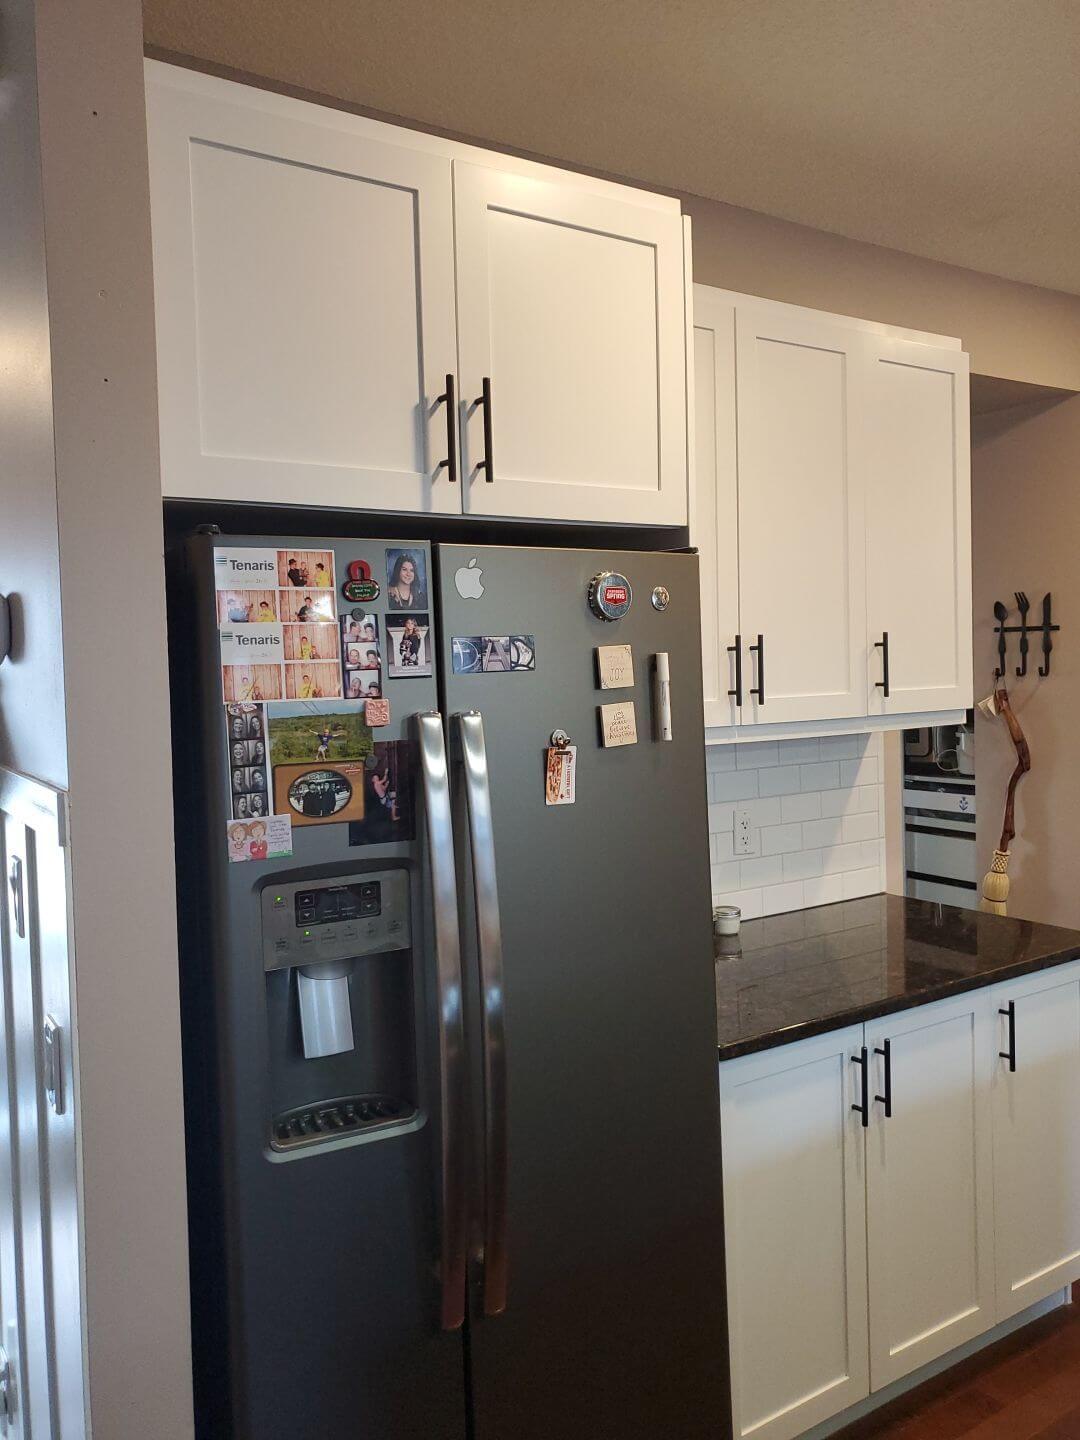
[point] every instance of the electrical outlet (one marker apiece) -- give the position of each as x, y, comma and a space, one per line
746, 841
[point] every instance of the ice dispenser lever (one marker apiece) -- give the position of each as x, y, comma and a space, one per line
325, 1009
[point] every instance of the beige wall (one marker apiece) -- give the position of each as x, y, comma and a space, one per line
1016, 331
1026, 527
81, 544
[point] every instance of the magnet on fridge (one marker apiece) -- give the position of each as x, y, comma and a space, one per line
360, 587
618, 724
560, 786
615, 666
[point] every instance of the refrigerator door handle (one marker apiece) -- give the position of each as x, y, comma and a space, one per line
435, 781
470, 727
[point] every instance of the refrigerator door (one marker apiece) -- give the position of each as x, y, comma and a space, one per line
327, 1275
612, 1269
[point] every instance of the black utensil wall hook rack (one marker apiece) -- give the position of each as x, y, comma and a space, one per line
1046, 628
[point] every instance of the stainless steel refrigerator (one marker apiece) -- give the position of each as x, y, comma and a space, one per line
450, 1064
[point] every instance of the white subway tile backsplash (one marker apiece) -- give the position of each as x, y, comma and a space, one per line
756, 755
784, 780
777, 839
802, 865
825, 891
720, 757
862, 827
825, 775
799, 752
748, 901
727, 877
735, 785
861, 882
763, 812
815, 808
859, 772
801, 807
775, 899
817, 833
766, 870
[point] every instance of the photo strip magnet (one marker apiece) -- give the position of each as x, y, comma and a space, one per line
246, 739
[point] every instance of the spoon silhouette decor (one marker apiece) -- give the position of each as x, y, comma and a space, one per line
1001, 615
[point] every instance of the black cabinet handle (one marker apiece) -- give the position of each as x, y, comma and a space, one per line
736, 650
863, 1105
883, 646
1010, 1053
449, 399
759, 689
885, 1051
488, 462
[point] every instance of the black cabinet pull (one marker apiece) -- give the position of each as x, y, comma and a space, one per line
488, 462
885, 1051
1010, 1053
863, 1105
449, 399
883, 646
736, 650
759, 688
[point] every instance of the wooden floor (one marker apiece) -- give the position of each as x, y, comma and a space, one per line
1026, 1387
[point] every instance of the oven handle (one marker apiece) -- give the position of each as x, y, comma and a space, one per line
470, 727
453, 1215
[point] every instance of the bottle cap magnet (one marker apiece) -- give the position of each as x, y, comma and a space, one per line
610, 595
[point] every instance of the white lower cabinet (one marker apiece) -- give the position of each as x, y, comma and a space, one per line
859, 1252
929, 1188
1036, 1108
795, 1218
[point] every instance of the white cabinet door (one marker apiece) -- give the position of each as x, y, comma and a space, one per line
572, 306
929, 1197
305, 309
1037, 1137
801, 540
918, 519
714, 515
795, 1228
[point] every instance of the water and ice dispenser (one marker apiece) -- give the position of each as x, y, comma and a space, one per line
340, 1006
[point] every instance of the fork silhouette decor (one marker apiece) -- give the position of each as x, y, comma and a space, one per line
1046, 628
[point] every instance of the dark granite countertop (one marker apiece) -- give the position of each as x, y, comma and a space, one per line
790, 976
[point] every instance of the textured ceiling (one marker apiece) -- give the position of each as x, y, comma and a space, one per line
947, 128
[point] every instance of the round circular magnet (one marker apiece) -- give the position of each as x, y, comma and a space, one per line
661, 598
610, 595
559, 738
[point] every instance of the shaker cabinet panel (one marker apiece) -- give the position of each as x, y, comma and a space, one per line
918, 506
929, 1185
801, 551
1037, 1136
715, 512
571, 307
795, 1223
305, 309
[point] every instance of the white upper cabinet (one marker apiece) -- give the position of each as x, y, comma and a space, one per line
716, 504
305, 309
832, 500
318, 276
918, 500
802, 602
570, 306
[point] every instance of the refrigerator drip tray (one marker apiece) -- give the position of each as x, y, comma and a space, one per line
333, 1119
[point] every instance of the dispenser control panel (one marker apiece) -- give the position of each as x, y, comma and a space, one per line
316, 920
